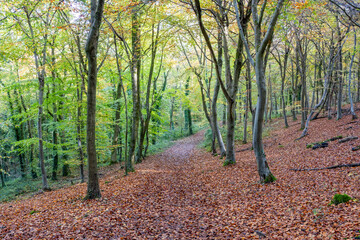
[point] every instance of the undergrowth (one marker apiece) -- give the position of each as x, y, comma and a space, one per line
22, 187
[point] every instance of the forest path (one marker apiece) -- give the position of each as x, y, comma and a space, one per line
161, 200
186, 193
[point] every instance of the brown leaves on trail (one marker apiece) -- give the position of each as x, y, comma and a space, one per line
185, 193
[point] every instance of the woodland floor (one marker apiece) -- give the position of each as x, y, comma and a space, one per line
185, 193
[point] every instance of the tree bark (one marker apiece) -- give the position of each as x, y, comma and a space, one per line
260, 45
135, 83
117, 96
354, 116
55, 118
187, 112
339, 75
93, 189
283, 77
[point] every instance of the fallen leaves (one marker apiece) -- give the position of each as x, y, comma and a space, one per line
186, 193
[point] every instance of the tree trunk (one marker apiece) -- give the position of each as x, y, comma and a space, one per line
283, 77
248, 101
232, 83
349, 85
135, 80
214, 114
40, 134
79, 126
358, 81
270, 95
171, 114
116, 125
55, 118
126, 127
2, 173
40, 68
187, 112
260, 46
293, 95
145, 123
93, 189
224, 114
339, 75
263, 168
326, 90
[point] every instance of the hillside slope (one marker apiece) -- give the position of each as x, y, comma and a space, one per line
186, 193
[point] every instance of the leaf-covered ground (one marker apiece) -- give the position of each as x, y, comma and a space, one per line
185, 193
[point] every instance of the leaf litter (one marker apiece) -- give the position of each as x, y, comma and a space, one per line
186, 193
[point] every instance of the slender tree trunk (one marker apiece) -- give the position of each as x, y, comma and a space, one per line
215, 123
326, 91
40, 68
232, 83
230, 90
79, 126
188, 121
293, 96
126, 128
117, 132
214, 112
40, 133
339, 75
263, 168
261, 46
248, 101
135, 79
224, 115
148, 106
65, 156
283, 77
245, 120
93, 189
358, 81
349, 85
270, 94
116, 136
2, 173
55, 118
171, 114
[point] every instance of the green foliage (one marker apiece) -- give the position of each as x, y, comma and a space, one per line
19, 187
167, 139
227, 162
340, 198
311, 145
34, 211
207, 140
270, 178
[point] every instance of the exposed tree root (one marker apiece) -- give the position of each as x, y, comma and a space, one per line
331, 167
245, 149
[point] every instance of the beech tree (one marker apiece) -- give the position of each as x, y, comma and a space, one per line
261, 45
97, 7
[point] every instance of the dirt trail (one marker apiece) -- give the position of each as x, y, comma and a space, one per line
160, 200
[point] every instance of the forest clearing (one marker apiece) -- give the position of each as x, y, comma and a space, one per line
185, 119
186, 193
